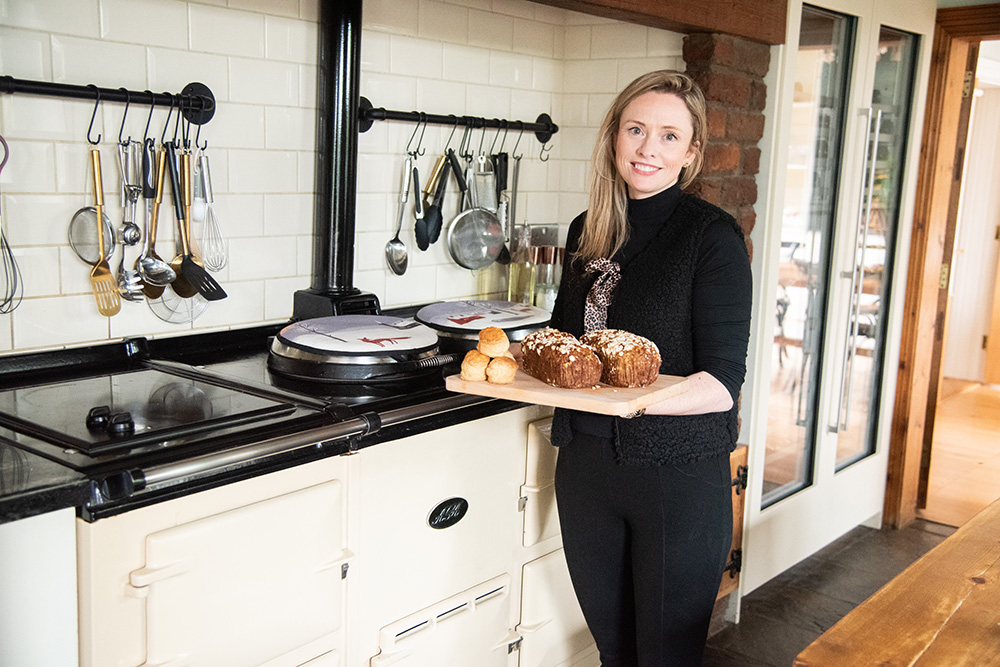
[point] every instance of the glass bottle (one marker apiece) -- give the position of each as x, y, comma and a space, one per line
521, 284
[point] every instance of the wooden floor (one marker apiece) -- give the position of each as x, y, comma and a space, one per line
965, 455
782, 617
785, 615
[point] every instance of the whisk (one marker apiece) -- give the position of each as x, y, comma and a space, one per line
13, 288
214, 248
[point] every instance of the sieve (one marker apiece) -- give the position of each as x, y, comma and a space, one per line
83, 235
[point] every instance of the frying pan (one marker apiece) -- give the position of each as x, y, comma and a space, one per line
475, 236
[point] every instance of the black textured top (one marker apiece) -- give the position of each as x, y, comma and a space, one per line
686, 285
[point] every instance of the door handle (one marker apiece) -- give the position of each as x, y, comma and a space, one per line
857, 273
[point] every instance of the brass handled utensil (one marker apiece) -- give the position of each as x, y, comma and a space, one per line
181, 284
190, 267
156, 273
101, 280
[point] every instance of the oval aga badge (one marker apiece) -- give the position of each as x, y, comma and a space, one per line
447, 513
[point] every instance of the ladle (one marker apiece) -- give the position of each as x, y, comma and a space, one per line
155, 272
395, 249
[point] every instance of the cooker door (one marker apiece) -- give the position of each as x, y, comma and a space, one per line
437, 516
552, 624
246, 586
466, 629
541, 521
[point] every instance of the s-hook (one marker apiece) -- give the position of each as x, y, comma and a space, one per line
197, 135
121, 128
177, 122
418, 151
518, 142
465, 146
186, 133
166, 123
97, 103
543, 154
501, 125
454, 127
152, 105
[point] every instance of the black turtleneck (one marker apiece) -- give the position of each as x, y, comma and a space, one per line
646, 218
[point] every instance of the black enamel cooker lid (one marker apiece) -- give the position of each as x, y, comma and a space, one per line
468, 318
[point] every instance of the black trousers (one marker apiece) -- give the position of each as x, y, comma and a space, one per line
646, 548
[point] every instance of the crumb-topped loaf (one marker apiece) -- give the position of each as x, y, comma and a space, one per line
559, 359
628, 360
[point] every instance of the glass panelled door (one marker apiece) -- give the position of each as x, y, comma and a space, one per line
817, 370
878, 213
845, 169
813, 178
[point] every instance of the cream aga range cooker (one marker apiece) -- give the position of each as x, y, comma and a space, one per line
243, 516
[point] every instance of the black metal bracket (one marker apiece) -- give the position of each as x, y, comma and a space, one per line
196, 101
741, 479
735, 564
543, 127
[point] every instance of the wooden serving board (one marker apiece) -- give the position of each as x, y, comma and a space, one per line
602, 399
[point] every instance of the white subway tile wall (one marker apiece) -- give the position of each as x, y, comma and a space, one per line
509, 59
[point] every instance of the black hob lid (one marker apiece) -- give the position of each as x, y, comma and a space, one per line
126, 410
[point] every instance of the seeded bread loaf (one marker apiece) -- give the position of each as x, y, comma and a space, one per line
628, 360
558, 358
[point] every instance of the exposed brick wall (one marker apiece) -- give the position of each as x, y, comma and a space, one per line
730, 71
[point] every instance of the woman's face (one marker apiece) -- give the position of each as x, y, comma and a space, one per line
653, 143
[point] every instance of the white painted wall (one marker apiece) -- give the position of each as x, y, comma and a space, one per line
976, 248
507, 59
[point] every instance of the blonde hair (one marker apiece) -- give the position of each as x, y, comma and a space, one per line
606, 227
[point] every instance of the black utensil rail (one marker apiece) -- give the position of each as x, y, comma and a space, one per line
543, 127
196, 101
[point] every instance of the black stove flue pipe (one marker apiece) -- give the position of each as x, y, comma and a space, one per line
338, 77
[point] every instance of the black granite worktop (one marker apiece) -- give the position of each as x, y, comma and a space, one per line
31, 484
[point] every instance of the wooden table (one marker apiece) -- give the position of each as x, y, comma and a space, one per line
942, 610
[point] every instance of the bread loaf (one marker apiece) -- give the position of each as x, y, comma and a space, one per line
628, 360
559, 359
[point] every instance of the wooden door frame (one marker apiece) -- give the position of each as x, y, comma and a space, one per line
933, 222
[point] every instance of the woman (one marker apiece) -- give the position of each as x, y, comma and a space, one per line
645, 501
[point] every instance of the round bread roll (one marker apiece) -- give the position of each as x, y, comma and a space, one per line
493, 342
501, 370
628, 360
474, 366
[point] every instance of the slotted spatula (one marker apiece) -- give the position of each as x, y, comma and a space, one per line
193, 271
101, 280
191, 278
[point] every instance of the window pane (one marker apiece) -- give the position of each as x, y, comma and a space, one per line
811, 185
891, 104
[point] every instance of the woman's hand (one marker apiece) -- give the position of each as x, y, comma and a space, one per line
704, 394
